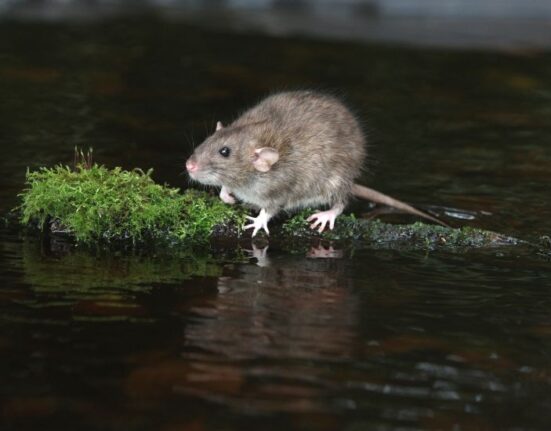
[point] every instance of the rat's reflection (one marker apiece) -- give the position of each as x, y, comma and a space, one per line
270, 320
279, 306
281, 309
264, 341
319, 251
323, 252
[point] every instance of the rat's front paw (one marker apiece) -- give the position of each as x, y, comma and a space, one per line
226, 196
260, 222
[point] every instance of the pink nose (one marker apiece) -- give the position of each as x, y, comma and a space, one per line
191, 166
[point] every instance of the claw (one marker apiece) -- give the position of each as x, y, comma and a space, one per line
259, 222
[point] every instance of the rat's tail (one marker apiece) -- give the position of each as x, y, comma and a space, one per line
380, 198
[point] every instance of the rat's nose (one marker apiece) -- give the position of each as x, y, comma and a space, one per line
191, 166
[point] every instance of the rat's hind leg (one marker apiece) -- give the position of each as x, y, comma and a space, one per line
259, 222
323, 217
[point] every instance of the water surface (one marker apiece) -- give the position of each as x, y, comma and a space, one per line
213, 339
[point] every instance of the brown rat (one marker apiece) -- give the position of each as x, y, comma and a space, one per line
292, 150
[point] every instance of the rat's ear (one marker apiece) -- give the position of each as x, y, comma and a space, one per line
219, 126
264, 158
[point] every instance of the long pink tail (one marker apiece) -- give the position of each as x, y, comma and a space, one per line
380, 198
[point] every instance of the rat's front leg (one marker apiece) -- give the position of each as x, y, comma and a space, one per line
259, 222
226, 196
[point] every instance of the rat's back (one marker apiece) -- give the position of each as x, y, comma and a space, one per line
321, 146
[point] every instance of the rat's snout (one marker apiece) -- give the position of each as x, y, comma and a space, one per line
199, 169
191, 165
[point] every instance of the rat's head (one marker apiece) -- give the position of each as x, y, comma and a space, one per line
229, 157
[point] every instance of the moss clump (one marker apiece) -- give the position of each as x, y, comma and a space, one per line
96, 203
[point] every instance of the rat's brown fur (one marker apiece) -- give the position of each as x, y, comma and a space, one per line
321, 151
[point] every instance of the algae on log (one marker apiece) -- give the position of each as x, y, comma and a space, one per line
417, 235
94, 203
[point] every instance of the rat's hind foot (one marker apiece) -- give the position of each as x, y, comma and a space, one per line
323, 217
260, 222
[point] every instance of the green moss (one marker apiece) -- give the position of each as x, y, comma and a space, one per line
96, 203
346, 227
379, 234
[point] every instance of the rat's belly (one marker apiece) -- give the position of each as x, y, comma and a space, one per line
281, 200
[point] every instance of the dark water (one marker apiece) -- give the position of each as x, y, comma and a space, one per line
214, 340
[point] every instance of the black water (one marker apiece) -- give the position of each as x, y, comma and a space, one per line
210, 340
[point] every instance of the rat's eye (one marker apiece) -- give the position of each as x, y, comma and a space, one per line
224, 152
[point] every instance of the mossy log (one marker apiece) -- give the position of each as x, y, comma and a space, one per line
95, 204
